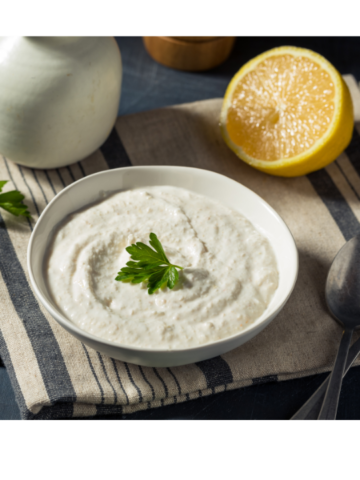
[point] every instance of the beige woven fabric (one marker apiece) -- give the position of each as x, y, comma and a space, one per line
55, 376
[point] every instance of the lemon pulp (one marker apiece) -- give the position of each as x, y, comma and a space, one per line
282, 108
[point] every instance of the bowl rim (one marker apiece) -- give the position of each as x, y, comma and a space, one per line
68, 325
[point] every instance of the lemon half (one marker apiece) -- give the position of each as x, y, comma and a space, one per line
287, 112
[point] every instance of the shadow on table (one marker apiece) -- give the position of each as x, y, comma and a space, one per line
340, 52
252, 403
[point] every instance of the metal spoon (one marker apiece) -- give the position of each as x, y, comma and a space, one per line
311, 409
342, 293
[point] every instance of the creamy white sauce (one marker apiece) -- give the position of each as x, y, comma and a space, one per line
229, 277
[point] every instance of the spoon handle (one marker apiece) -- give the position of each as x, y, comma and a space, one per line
310, 410
331, 400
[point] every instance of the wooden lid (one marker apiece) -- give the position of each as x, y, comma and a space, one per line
189, 53
195, 38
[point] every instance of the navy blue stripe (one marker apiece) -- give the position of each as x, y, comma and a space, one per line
108, 410
50, 182
37, 181
107, 377
119, 380
162, 381
32, 195
20, 400
335, 203
353, 151
132, 381
71, 174
176, 380
347, 180
114, 151
81, 169
59, 411
265, 379
216, 371
11, 178
61, 179
94, 373
147, 381
9, 173
48, 354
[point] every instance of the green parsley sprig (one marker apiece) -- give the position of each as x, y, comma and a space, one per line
151, 265
12, 202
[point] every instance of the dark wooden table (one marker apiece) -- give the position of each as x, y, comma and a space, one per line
148, 85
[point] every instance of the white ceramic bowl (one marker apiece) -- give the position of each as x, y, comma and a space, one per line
213, 185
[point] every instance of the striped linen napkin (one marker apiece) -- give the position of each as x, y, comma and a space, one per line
56, 376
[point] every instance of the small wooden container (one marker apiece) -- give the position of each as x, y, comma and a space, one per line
193, 54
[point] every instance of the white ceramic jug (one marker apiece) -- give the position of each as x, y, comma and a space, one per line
59, 97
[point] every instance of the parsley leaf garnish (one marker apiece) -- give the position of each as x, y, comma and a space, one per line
12, 202
151, 265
